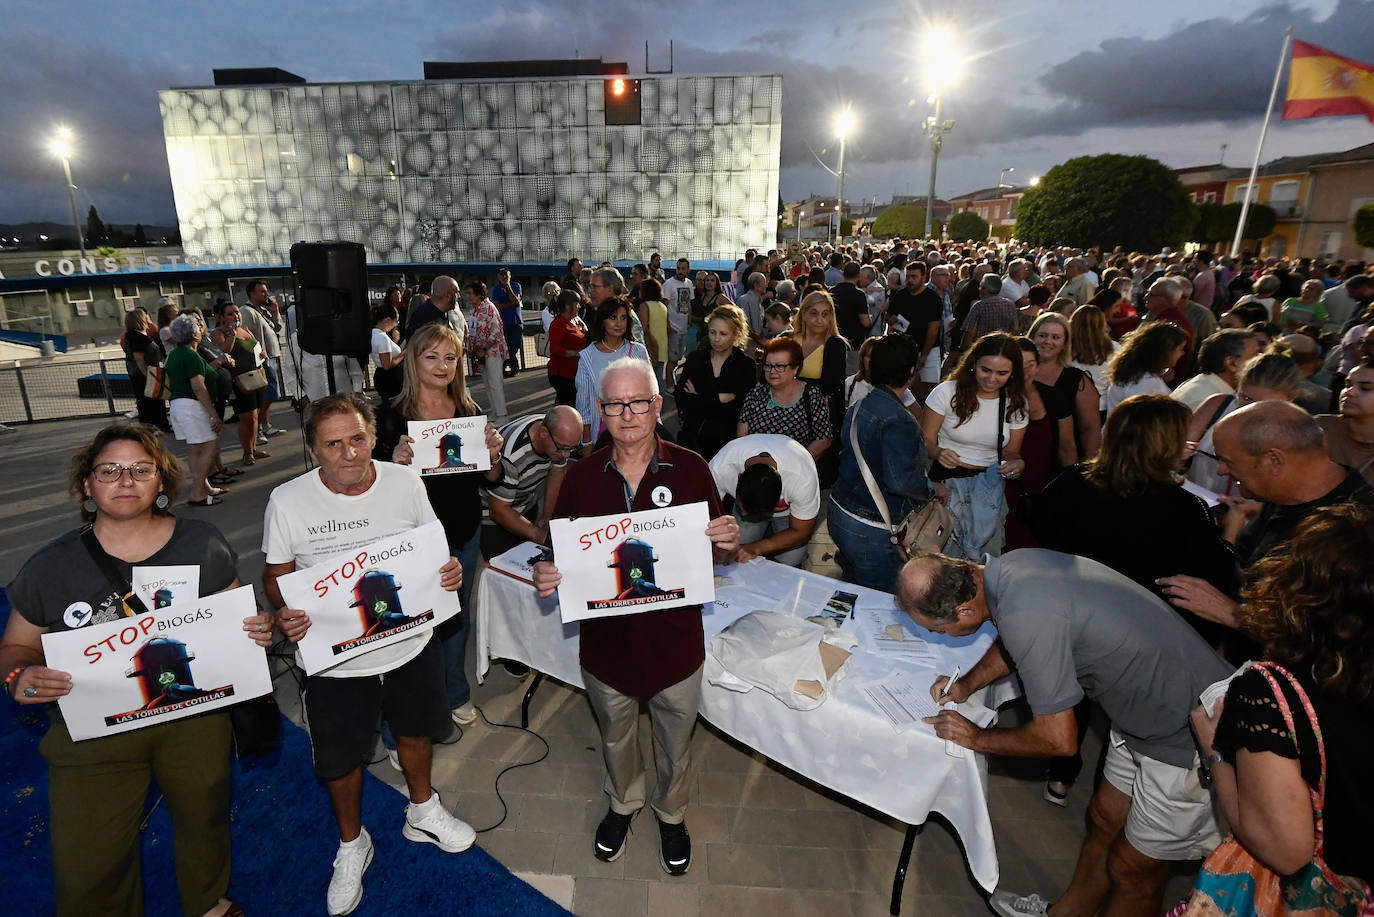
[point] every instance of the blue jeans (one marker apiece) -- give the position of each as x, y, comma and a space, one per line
979, 507
515, 346
754, 531
867, 555
453, 634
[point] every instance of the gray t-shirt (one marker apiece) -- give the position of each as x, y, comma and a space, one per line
1074, 626
61, 588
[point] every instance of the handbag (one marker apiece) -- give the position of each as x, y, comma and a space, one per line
1233, 883
155, 384
541, 344
926, 530
255, 380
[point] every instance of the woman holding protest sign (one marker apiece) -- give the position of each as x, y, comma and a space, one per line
126, 480
435, 388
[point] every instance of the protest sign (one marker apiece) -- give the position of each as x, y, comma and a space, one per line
627, 563
364, 599
452, 446
159, 587
160, 666
519, 561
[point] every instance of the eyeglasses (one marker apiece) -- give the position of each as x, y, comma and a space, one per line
777, 367
112, 472
616, 408
562, 449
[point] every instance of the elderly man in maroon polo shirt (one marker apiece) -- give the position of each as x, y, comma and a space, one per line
654, 655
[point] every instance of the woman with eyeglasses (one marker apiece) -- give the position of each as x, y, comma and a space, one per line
126, 482
785, 403
434, 387
713, 383
611, 337
1146, 358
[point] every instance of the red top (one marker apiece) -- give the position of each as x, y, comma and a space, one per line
564, 336
640, 654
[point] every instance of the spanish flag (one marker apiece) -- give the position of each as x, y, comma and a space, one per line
1322, 83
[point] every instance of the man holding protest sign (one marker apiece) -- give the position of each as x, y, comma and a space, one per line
351, 502
654, 655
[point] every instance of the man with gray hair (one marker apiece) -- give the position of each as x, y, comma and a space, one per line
752, 302
1203, 320
875, 293
1164, 303
1219, 361
656, 657
1014, 285
992, 312
1078, 287
1276, 451
1071, 627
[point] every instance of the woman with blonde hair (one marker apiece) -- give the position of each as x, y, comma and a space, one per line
713, 382
435, 388
1091, 349
1066, 391
824, 363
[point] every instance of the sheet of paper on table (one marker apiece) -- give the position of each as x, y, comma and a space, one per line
519, 561
454, 446
631, 563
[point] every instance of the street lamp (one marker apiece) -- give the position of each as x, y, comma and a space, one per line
942, 64
1035, 180
62, 147
844, 122
1001, 184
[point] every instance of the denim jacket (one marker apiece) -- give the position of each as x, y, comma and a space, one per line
895, 450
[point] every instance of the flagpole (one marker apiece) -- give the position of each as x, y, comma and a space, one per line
1254, 168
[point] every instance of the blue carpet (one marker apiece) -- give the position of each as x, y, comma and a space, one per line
284, 842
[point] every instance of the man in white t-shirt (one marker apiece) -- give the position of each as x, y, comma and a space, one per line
350, 502
777, 494
1014, 285
677, 294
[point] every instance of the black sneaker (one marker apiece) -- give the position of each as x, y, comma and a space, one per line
610, 836
675, 848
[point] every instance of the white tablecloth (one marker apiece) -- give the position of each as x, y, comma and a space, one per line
845, 744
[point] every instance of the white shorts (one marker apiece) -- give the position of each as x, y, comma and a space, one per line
930, 369
190, 421
1171, 815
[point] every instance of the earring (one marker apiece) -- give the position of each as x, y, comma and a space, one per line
88, 506
162, 502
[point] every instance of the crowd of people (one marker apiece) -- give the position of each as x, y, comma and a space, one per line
1154, 467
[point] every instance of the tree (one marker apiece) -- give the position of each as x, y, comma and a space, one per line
140, 237
1364, 226
905, 221
967, 226
96, 231
1132, 201
1259, 222
846, 227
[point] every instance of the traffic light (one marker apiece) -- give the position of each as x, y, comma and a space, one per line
622, 100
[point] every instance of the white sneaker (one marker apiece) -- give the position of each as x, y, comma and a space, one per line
268, 430
346, 885
465, 715
440, 828
262, 440
1011, 905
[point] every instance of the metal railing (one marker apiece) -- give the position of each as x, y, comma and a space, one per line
62, 390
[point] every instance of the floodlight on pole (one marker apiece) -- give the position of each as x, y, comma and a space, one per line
844, 123
62, 148
1035, 180
1000, 182
942, 65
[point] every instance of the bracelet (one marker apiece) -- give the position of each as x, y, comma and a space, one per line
11, 678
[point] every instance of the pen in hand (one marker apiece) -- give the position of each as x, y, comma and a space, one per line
944, 692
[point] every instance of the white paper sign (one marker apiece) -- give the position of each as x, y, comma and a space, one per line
452, 446
364, 599
160, 666
159, 587
519, 561
628, 563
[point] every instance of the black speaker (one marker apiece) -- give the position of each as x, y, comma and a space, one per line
333, 315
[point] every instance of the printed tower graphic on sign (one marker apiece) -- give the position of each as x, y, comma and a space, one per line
379, 606
450, 450
163, 669
633, 561
162, 598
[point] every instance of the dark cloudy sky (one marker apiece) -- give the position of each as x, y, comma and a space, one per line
1044, 80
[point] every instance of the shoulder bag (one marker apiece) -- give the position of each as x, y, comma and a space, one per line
925, 530
1233, 882
155, 384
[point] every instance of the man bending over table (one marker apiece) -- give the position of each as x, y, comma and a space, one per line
1069, 626
655, 655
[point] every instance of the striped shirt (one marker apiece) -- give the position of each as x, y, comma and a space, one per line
523, 472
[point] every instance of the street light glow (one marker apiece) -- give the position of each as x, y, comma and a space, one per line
844, 122
1035, 180
61, 147
940, 58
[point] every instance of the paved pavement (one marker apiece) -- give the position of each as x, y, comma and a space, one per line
766, 841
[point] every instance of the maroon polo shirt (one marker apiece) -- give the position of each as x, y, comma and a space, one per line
640, 654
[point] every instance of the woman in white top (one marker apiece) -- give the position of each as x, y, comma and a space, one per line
857, 386
1146, 358
966, 433
386, 353
1091, 349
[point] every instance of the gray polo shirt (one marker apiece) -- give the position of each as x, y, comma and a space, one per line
1074, 626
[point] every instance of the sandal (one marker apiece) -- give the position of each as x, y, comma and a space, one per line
219, 480
208, 501
249, 459
228, 472
218, 491
258, 453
